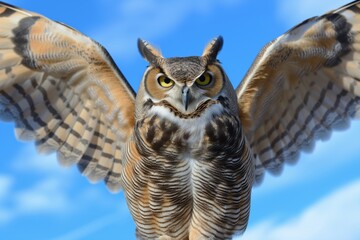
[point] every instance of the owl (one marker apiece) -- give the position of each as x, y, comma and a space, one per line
188, 148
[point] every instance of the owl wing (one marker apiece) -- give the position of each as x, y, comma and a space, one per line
64, 91
301, 86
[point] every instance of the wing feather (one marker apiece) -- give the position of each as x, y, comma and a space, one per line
301, 86
64, 91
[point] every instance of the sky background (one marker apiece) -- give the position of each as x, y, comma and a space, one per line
318, 198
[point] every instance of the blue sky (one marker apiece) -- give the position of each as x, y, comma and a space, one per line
318, 198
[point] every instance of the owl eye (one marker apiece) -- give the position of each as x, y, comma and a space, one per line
165, 81
204, 80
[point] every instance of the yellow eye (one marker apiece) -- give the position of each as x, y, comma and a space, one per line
165, 81
204, 80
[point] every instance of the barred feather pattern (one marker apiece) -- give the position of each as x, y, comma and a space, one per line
302, 86
186, 182
62, 91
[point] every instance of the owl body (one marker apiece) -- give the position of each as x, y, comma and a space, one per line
182, 173
181, 168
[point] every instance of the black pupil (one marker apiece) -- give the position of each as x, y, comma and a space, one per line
167, 80
202, 78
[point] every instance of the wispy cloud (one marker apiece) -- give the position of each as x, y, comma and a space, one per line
47, 193
149, 18
5, 184
92, 227
46, 196
29, 160
333, 217
294, 12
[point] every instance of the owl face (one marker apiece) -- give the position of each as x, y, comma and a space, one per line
186, 86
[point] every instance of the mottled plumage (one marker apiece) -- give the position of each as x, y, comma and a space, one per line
187, 148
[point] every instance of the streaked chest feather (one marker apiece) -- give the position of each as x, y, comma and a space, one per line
172, 154
178, 163
166, 137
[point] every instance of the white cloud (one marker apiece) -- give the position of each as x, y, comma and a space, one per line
29, 160
46, 196
5, 184
92, 227
45, 193
334, 217
148, 19
295, 11
39, 185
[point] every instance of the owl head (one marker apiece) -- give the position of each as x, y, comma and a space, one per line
184, 86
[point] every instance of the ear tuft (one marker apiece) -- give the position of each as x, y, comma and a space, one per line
151, 54
213, 48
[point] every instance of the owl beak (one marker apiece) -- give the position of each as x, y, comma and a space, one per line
185, 97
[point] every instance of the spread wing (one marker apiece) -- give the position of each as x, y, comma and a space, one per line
301, 86
64, 91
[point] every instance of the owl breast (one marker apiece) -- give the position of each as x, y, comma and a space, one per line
188, 177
